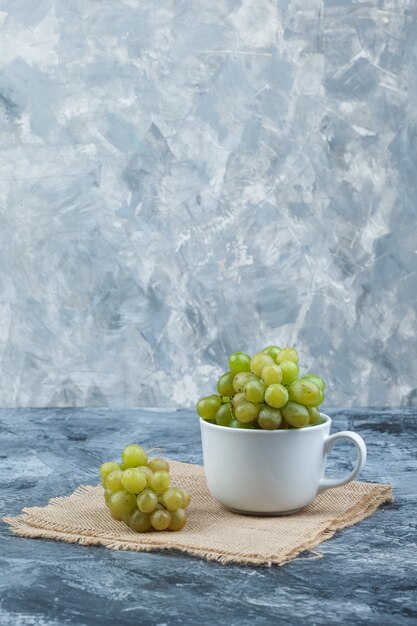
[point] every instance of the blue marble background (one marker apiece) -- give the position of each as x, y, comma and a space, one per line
181, 179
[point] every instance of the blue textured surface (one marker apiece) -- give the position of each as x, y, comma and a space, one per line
181, 179
367, 573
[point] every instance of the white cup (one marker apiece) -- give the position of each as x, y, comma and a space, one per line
278, 472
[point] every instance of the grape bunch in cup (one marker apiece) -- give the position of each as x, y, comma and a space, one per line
138, 491
264, 391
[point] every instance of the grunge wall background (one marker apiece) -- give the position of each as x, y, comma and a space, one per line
182, 179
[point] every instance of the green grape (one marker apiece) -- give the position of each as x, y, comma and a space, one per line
147, 501
107, 494
148, 473
160, 481
314, 414
295, 414
133, 456
276, 395
287, 354
239, 362
226, 399
255, 391
139, 522
134, 480
186, 497
273, 351
121, 503
242, 379
236, 424
208, 407
158, 463
160, 519
225, 384
247, 412
238, 398
269, 418
304, 392
317, 380
271, 374
259, 361
173, 499
289, 372
106, 469
114, 480
224, 415
320, 400
178, 519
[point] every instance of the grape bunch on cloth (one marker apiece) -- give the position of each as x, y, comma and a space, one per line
138, 491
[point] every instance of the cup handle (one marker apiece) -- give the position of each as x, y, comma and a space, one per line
329, 483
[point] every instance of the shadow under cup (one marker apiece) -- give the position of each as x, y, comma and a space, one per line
263, 472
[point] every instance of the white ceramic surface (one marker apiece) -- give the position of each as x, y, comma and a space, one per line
277, 472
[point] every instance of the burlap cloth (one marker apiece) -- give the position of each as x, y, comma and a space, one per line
212, 532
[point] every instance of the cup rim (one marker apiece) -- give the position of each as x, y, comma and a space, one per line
275, 433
